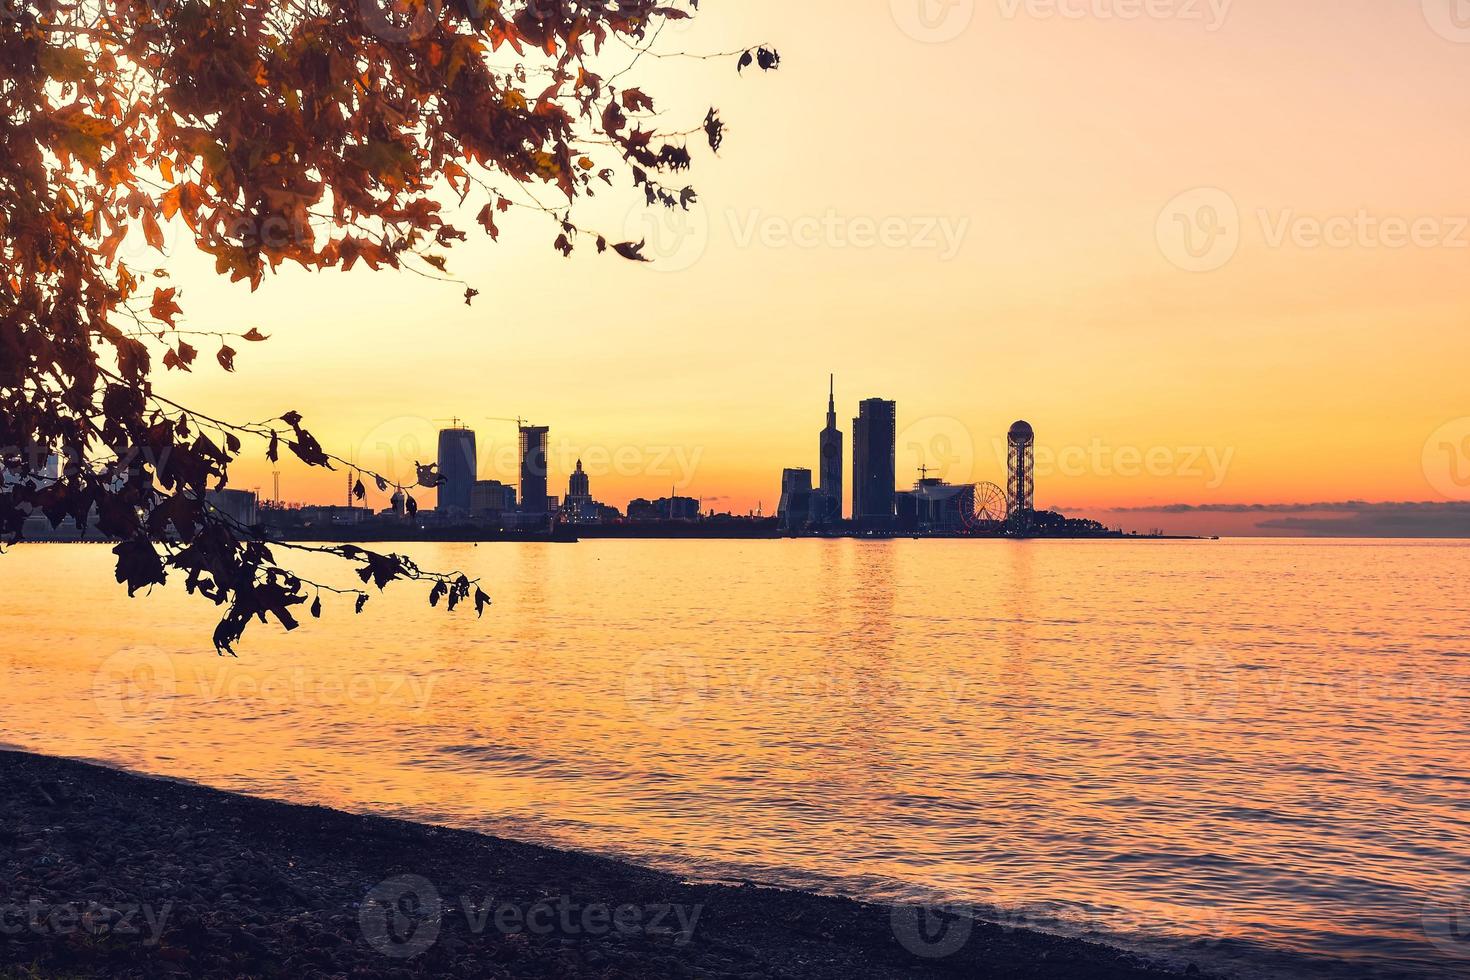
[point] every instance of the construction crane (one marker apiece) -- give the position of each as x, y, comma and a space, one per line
520, 422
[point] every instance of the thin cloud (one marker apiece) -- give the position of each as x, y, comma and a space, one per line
1346, 518
1342, 506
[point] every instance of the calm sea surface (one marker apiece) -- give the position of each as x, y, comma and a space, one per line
1252, 753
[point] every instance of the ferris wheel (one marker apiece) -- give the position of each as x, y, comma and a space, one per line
990, 505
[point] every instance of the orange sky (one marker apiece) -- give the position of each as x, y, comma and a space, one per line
986, 221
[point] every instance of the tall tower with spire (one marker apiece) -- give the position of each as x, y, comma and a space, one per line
830, 468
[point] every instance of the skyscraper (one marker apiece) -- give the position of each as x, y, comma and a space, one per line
579, 485
874, 460
1020, 470
795, 509
533, 469
457, 468
828, 506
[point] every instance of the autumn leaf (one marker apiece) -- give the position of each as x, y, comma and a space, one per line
486, 218
631, 251
180, 357
276, 136
168, 205
163, 306
714, 130
151, 232
64, 64
635, 101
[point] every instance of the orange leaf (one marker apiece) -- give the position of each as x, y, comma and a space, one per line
163, 307
169, 203
151, 231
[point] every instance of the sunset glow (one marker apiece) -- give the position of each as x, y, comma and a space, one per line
980, 229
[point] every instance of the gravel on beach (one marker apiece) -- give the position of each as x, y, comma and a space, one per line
105, 873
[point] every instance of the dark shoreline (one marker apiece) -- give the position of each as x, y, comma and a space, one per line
108, 873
